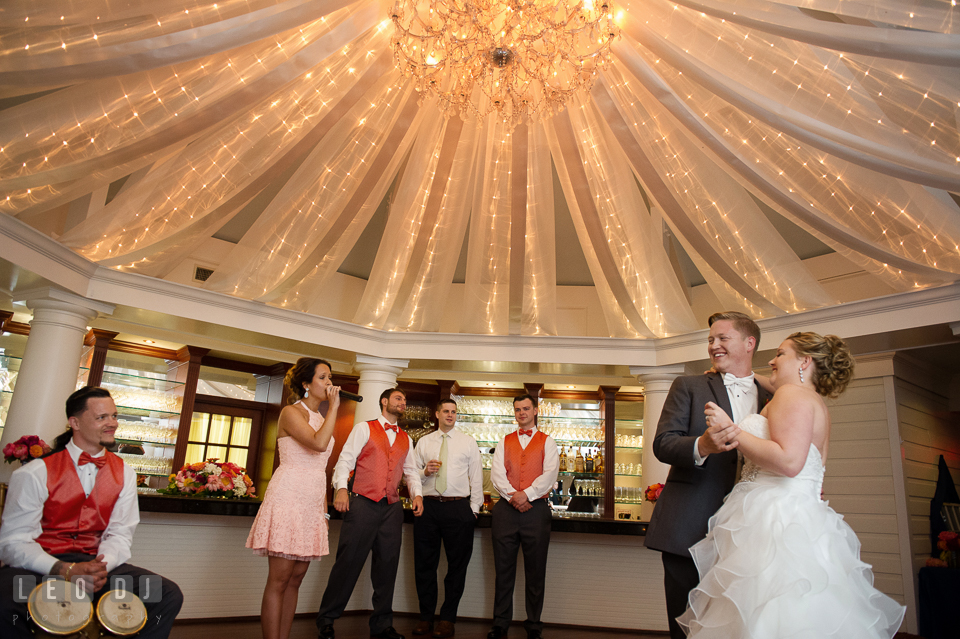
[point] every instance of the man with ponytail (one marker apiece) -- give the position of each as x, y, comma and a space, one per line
72, 514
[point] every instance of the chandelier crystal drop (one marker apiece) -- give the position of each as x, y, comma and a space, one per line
520, 58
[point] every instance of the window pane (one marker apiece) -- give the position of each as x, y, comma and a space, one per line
198, 427
238, 456
218, 452
241, 431
219, 429
194, 453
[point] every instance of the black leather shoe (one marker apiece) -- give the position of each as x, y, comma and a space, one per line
326, 632
534, 634
387, 633
497, 632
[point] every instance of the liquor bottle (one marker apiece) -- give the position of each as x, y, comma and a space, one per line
578, 462
563, 459
588, 463
598, 462
571, 460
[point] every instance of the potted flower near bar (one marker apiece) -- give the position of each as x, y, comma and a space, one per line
211, 479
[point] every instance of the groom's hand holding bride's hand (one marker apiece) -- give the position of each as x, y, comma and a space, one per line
721, 433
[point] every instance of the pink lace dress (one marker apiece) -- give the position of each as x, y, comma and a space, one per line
292, 522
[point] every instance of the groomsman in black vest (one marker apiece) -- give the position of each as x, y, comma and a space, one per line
703, 462
452, 476
378, 452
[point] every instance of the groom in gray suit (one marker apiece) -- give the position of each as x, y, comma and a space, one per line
703, 462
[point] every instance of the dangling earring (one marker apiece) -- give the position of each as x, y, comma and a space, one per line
306, 392
801, 375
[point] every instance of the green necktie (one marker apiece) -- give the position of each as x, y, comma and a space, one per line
442, 473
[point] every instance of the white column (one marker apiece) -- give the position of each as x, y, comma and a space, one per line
51, 361
656, 381
377, 374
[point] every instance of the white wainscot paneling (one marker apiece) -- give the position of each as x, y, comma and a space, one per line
592, 580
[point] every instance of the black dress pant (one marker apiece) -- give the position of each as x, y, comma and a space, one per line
162, 605
375, 526
452, 523
680, 576
512, 531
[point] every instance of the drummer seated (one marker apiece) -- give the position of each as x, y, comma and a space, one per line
73, 514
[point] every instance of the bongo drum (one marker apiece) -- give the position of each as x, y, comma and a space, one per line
59, 608
121, 613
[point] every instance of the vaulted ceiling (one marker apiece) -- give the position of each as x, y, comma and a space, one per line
722, 144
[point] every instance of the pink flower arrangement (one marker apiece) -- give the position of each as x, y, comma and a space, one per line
24, 449
948, 541
652, 493
210, 479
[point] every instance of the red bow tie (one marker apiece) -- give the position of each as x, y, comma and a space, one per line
392, 427
86, 458
528, 433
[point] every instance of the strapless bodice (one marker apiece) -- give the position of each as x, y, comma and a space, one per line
809, 477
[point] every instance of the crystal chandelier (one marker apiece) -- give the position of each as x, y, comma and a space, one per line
521, 58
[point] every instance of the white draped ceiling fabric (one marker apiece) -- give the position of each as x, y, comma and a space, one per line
841, 115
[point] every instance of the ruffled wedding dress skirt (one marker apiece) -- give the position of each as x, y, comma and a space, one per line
779, 562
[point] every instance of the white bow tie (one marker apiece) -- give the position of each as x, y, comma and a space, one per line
744, 383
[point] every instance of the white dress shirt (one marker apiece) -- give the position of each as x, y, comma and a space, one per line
744, 400
357, 439
464, 470
542, 484
24, 511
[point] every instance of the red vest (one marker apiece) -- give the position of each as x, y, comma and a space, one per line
523, 465
380, 465
73, 522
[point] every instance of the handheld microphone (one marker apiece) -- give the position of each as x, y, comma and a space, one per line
347, 395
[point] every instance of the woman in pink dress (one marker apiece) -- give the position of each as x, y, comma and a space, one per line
291, 526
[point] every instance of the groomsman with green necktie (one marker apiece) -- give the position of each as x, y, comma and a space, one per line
452, 480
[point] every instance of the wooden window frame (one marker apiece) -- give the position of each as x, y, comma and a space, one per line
256, 411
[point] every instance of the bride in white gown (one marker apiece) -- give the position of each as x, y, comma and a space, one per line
778, 561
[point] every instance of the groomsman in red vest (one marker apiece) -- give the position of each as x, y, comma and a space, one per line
378, 452
72, 514
524, 471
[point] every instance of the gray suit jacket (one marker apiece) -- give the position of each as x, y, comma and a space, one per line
691, 493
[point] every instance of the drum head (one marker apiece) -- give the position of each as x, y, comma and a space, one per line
121, 613
60, 607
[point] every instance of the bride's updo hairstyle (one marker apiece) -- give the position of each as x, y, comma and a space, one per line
831, 358
302, 373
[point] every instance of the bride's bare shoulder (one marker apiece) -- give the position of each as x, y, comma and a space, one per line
793, 399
